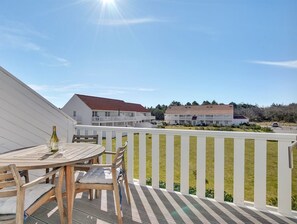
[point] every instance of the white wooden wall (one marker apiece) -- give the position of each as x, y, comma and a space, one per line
26, 118
83, 112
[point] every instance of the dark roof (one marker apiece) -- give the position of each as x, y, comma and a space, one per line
99, 103
239, 117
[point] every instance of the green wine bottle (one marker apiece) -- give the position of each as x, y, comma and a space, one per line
54, 142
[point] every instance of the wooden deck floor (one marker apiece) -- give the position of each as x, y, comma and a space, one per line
156, 206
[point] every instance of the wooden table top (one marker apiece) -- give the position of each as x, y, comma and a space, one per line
39, 157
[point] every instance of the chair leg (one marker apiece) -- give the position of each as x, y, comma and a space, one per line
127, 189
91, 194
117, 202
59, 197
97, 193
26, 175
46, 171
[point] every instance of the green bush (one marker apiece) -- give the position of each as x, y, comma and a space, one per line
274, 202
209, 193
266, 129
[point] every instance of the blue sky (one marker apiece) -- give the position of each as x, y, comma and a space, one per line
153, 51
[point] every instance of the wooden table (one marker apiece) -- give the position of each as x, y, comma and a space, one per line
39, 157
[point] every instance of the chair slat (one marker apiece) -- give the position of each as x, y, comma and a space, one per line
8, 183
8, 193
5, 176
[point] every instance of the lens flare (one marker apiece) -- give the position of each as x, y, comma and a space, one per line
107, 2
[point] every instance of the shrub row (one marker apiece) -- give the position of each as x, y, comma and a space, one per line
209, 193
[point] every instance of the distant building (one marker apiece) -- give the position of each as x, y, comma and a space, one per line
204, 114
91, 110
240, 119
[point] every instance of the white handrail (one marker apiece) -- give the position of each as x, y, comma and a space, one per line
290, 153
260, 140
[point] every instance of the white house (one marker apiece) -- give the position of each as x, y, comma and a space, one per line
204, 114
240, 119
91, 110
26, 118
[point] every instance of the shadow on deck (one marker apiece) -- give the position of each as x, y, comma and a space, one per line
150, 205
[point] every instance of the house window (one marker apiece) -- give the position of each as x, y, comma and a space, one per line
107, 114
95, 114
74, 113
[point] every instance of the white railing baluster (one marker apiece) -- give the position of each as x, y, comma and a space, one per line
201, 166
108, 146
238, 171
130, 155
184, 165
219, 169
142, 158
119, 141
169, 162
284, 176
284, 179
260, 174
99, 133
155, 160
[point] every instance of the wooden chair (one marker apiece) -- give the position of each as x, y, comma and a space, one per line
25, 174
106, 177
19, 200
87, 139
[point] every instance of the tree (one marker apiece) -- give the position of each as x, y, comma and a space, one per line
175, 103
158, 111
188, 104
234, 104
206, 102
214, 102
195, 103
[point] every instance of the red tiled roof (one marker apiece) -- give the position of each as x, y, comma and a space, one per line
99, 103
201, 110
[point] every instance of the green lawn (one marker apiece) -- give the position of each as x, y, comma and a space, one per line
229, 156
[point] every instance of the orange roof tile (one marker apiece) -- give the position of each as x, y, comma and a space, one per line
201, 110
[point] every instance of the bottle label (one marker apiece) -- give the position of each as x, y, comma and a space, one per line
55, 146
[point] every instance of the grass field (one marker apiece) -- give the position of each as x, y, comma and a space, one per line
229, 161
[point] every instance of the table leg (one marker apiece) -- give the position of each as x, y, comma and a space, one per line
70, 188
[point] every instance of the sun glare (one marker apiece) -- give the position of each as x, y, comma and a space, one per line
107, 2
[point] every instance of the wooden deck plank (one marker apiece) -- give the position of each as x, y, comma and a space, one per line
149, 205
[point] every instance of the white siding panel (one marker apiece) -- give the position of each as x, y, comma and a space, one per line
83, 112
26, 117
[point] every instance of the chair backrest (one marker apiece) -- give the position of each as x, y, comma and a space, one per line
9, 177
119, 157
85, 138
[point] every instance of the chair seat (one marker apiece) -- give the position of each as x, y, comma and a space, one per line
98, 175
8, 204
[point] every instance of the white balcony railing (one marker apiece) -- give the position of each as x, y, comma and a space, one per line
284, 176
123, 118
